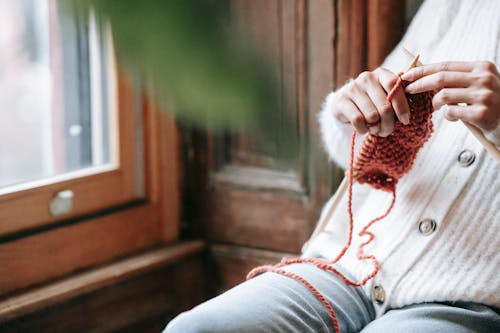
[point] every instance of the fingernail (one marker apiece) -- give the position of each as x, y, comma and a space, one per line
405, 76
405, 118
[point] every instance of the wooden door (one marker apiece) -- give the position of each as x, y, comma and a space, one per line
252, 208
261, 208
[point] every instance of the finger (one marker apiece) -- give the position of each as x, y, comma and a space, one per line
364, 104
459, 112
454, 96
453, 112
439, 81
475, 114
386, 123
370, 84
424, 70
355, 117
379, 97
399, 104
342, 107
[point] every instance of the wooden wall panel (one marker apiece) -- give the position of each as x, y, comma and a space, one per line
385, 24
262, 24
267, 220
351, 45
321, 72
234, 262
256, 206
367, 30
289, 24
240, 210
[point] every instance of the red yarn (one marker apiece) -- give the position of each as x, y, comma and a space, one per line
380, 163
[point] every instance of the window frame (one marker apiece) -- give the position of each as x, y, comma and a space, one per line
94, 188
108, 220
44, 255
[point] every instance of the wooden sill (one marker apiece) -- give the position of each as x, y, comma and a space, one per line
91, 280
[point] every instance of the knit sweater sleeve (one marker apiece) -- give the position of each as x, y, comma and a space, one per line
335, 134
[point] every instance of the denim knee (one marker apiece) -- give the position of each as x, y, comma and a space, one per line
187, 322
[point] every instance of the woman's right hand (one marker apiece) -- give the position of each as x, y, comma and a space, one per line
363, 103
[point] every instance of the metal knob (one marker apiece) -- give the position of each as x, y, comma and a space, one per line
62, 203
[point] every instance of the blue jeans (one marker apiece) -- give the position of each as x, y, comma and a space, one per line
274, 303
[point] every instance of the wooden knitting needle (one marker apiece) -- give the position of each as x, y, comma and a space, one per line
411, 56
415, 62
489, 146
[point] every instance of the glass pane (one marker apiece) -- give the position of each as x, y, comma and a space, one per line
54, 93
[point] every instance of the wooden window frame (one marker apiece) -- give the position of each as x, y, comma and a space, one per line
34, 253
93, 188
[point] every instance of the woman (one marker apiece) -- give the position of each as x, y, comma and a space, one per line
439, 248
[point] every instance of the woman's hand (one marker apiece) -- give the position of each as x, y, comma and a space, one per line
363, 103
470, 89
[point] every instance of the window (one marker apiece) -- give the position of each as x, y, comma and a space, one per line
54, 94
58, 99
80, 149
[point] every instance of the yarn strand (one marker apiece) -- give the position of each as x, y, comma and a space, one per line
380, 163
326, 264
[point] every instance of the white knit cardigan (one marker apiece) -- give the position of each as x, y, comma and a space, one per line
460, 260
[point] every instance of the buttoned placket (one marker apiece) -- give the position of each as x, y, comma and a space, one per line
426, 227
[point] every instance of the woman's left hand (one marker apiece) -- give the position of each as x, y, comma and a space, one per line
475, 84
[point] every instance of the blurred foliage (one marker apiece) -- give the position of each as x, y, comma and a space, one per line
195, 60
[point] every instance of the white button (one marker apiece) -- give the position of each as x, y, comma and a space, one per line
378, 294
427, 226
466, 158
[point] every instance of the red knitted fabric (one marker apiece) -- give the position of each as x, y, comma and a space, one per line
380, 162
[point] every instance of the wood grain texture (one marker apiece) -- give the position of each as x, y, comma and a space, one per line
58, 252
75, 245
288, 26
259, 22
170, 165
93, 279
321, 71
259, 179
301, 87
264, 219
262, 207
385, 24
234, 262
163, 167
270, 27
143, 302
351, 39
